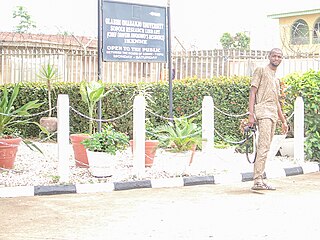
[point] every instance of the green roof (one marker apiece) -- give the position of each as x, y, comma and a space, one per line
290, 14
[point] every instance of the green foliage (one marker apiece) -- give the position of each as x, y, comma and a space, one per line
149, 130
10, 114
144, 90
229, 94
226, 41
240, 41
30, 91
25, 22
91, 94
307, 86
180, 135
49, 73
108, 140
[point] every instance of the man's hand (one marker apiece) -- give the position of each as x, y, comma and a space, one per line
251, 120
285, 128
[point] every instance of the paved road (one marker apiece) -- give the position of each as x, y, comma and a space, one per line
198, 212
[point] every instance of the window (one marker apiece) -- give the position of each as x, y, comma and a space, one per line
300, 33
316, 32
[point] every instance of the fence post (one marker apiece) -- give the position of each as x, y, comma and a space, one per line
207, 125
299, 130
139, 135
63, 137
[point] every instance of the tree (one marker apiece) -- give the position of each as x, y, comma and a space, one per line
25, 22
226, 41
240, 41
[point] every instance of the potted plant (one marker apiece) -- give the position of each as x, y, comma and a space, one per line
180, 138
151, 144
10, 119
91, 94
102, 148
49, 73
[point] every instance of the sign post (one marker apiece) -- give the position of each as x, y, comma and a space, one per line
133, 32
99, 62
169, 64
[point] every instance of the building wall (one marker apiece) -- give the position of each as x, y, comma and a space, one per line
285, 34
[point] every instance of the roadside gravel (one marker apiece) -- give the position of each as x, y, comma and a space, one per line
35, 169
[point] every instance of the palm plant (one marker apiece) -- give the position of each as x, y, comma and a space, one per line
49, 73
145, 91
10, 115
180, 135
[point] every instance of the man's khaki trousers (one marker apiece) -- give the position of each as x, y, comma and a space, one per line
266, 128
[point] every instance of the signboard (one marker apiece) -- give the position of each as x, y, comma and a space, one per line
133, 32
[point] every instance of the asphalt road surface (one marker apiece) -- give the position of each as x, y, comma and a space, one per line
230, 211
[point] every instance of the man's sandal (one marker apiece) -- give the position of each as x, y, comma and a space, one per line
262, 186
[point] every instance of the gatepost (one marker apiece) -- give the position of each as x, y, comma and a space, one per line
207, 126
139, 130
299, 130
63, 137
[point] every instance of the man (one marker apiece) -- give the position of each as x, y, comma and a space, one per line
265, 110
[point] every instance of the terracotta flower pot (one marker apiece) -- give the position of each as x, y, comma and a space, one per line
150, 151
8, 151
79, 150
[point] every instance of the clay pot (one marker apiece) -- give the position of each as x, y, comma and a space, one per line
8, 151
150, 151
79, 150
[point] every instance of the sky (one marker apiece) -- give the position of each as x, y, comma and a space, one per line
196, 24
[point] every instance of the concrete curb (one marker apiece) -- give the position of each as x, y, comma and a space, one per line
22, 191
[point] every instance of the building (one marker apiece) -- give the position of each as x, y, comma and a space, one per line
299, 31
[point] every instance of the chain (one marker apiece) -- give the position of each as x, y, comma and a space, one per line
288, 118
232, 142
29, 115
100, 120
244, 114
180, 118
230, 115
164, 137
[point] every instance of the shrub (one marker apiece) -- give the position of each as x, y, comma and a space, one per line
307, 86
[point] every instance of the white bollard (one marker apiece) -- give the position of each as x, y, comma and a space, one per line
299, 130
139, 130
207, 126
63, 137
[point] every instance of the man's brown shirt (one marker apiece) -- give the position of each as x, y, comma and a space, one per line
267, 95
